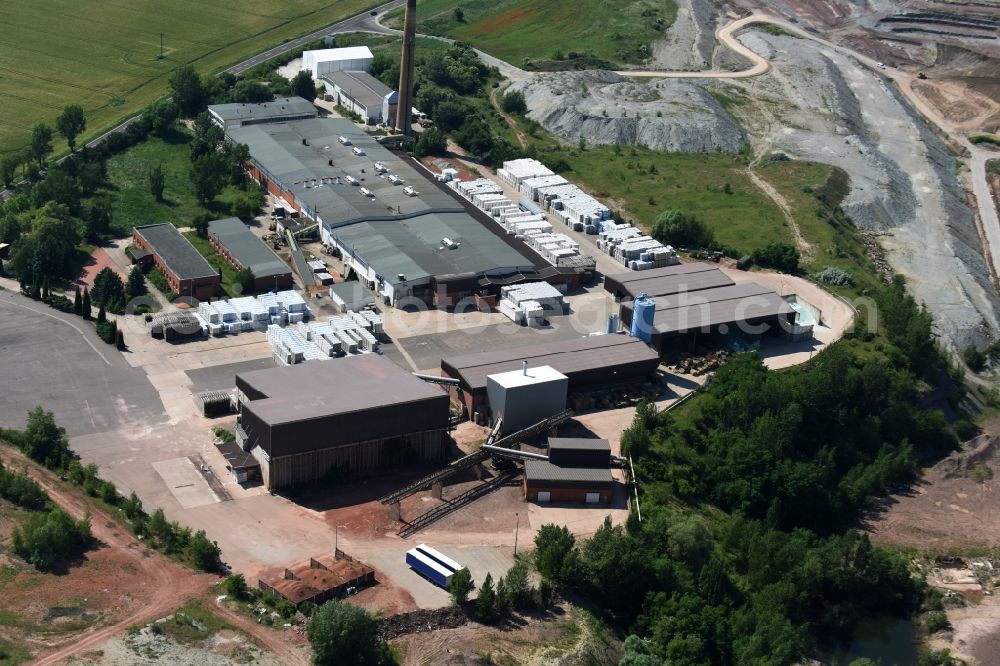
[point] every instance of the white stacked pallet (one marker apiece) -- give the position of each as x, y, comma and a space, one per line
500, 210
529, 228
211, 315
529, 294
226, 311
271, 303
485, 199
520, 216
291, 301
514, 172
375, 320
470, 188
317, 266
532, 186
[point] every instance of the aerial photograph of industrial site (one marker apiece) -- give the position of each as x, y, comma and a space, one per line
512, 332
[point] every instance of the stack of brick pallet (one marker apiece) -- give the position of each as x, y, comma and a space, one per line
530, 302
470, 188
514, 172
632, 248
556, 248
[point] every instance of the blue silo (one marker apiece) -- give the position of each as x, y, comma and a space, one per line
643, 310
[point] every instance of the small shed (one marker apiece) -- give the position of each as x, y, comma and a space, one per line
351, 296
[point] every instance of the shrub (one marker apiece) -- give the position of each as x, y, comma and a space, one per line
834, 276
981, 473
672, 227
460, 586
936, 621
781, 256
48, 538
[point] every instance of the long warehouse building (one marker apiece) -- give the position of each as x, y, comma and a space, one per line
244, 250
361, 413
667, 281
187, 272
404, 235
590, 362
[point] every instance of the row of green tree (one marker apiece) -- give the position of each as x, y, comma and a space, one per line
45, 442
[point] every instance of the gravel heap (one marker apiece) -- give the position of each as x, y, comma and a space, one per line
605, 108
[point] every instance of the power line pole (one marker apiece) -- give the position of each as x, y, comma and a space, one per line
160, 57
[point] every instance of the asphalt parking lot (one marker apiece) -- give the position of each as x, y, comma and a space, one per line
57, 361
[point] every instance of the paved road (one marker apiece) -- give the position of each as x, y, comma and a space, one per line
354, 24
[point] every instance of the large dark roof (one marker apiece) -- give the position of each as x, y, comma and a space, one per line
247, 248
279, 109
607, 353
536, 471
321, 389
176, 251
714, 307
579, 444
665, 281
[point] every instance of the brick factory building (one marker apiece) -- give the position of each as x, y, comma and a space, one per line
358, 413
591, 362
577, 471
188, 273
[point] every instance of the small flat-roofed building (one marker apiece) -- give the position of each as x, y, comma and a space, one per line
187, 272
746, 310
360, 413
280, 110
681, 278
361, 93
524, 397
323, 61
351, 296
546, 482
579, 452
243, 249
590, 362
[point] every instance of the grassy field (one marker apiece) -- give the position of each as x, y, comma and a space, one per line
103, 56
619, 32
133, 203
229, 273
643, 183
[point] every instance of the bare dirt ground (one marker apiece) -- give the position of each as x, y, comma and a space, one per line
954, 511
561, 636
120, 582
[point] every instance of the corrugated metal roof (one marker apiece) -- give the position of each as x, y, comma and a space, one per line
536, 471
598, 352
248, 249
714, 307
360, 86
350, 384
579, 444
176, 251
280, 107
665, 281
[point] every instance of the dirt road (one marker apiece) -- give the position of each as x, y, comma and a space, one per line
268, 638
171, 585
725, 36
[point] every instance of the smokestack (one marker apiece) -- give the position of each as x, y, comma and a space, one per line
405, 99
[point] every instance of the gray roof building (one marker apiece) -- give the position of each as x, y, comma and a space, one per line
542, 471
328, 166
666, 281
176, 252
246, 249
282, 109
362, 87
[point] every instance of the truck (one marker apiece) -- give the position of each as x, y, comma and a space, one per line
428, 568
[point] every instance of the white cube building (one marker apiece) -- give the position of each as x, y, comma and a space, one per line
324, 61
524, 397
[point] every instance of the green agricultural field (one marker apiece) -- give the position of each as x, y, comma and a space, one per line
103, 55
618, 32
644, 183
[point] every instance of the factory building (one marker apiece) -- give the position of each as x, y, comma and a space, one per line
324, 61
521, 398
363, 94
577, 471
359, 414
587, 363
405, 236
282, 109
681, 278
243, 249
734, 312
187, 272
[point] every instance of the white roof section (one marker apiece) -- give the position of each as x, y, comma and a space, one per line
536, 375
344, 53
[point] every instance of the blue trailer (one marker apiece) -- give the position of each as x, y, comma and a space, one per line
431, 570
440, 558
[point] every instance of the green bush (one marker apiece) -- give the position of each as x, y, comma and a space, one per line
50, 538
21, 490
936, 621
780, 256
